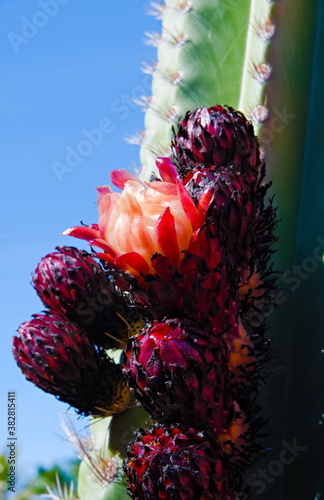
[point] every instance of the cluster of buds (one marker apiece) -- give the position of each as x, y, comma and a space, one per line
192, 248
63, 351
188, 251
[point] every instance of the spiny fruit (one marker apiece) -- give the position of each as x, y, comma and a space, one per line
217, 137
57, 356
177, 463
216, 148
179, 371
71, 283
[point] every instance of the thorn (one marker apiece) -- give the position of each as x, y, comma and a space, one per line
183, 6
125, 321
144, 101
158, 150
169, 115
157, 9
260, 114
262, 72
177, 40
174, 78
153, 38
150, 68
266, 31
167, 151
114, 338
136, 139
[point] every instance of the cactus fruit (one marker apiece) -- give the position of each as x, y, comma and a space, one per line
216, 137
179, 371
177, 463
71, 283
63, 350
57, 356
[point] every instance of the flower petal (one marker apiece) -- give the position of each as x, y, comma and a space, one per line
165, 188
205, 200
132, 230
121, 176
167, 170
102, 191
82, 232
188, 205
133, 260
98, 242
106, 257
167, 236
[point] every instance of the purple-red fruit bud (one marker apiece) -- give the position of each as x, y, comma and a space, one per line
70, 282
177, 464
57, 356
216, 137
179, 373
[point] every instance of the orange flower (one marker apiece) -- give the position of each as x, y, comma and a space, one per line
144, 219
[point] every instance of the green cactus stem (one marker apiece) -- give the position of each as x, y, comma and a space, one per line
101, 473
200, 50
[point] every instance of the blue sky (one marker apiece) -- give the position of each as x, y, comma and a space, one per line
68, 68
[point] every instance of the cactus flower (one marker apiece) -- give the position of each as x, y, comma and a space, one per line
145, 219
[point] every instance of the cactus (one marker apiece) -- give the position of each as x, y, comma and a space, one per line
263, 58
258, 56
208, 52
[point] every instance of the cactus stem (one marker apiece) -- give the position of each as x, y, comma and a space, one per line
256, 70
158, 150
